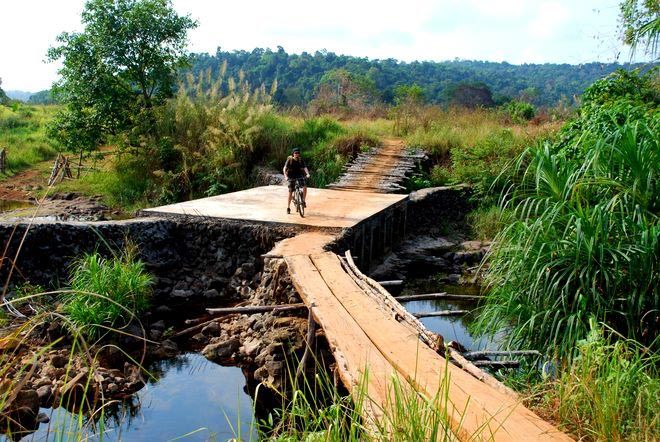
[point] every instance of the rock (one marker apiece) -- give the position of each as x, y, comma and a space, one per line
211, 294
251, 346
166, 349
59, 361
43, 418
180, 293
163, 310
200, 338
155, 334
45, 393
221, 350
26, 403
112, 388
158, 325
212, 329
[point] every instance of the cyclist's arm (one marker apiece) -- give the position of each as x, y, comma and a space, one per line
306, 172
285, 169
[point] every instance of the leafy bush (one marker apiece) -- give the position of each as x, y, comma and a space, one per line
611, 391
487, 222
519, 111
584, 243
107, 292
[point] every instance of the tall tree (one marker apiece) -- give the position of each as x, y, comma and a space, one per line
117, 69
640, 24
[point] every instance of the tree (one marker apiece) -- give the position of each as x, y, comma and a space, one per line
470, 95
343, 91
640, 24
117, 69
4, 99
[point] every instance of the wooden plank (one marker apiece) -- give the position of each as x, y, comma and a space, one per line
353, 350
473, 407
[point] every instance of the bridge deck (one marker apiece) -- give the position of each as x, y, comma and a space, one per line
325, 208
365, 336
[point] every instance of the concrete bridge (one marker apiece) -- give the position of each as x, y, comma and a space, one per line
373, 339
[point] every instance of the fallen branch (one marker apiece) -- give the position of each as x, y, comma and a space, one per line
392, 283
252, 309
497, 364
484, 353
442, 295
309, 343
479, 373
441, 313
197, 327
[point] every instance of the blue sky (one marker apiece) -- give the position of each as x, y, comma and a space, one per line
516, 31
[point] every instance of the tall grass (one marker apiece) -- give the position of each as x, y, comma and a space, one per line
317, 409
584, 243
611, 391
23, 134
106, 293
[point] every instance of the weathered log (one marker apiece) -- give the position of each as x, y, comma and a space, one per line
252, 309
391, 283
479, 373
497, 364
485, 353
442, 295
371, 288
441, 313
309, 343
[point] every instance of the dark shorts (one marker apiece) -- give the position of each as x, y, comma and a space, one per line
292, 183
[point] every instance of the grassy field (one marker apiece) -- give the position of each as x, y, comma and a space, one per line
23, 134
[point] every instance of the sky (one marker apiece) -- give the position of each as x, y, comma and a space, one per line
516, 31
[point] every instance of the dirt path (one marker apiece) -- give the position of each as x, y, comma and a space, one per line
380, 171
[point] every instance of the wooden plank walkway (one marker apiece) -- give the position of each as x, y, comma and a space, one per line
366, 338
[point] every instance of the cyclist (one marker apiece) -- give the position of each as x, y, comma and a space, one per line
295, 169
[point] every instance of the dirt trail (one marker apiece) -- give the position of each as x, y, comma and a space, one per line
379, 171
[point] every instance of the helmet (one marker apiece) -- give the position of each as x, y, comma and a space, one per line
295, 150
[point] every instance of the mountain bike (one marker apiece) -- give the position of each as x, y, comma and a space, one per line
298, 200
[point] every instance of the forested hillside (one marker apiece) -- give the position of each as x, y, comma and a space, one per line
299, 75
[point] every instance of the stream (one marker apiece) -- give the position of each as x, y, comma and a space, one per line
191, 398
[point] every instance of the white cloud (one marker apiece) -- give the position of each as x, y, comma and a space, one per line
517, 31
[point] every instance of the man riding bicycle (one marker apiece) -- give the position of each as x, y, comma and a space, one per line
295, 169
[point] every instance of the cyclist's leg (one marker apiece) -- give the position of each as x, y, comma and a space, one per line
291, 186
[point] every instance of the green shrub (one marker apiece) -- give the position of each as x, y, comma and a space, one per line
584, 243
611, 391
487, 222
440, 176
519, 111
106, 293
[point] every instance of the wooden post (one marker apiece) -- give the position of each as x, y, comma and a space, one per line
309, 343
3, 160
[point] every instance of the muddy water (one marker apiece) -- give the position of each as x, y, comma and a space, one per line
192, 398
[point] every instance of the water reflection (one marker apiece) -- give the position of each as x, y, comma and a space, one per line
189, 396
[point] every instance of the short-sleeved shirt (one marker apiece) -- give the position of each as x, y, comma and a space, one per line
295, 168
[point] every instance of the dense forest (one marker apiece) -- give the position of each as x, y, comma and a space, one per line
298, 76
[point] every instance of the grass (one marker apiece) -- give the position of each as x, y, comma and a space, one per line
487, 222
317, 409
584, 243
23, 134
106, 293
610, 392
